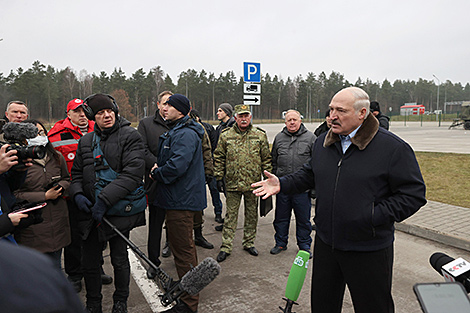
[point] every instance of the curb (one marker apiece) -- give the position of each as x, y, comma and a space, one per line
434, 235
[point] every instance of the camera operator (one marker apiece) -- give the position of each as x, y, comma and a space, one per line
10, 180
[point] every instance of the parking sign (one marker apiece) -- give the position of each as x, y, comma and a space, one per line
251, 72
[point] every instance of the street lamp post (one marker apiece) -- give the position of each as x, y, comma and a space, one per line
439, 84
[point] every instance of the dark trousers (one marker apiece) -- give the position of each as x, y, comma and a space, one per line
73, 252
215, 196
180, 235
91, 263
367, 274
301, 204
156, 220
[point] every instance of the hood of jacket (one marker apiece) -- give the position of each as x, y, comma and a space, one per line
363, 137
190, 123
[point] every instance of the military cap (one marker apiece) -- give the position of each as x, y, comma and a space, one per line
242, 108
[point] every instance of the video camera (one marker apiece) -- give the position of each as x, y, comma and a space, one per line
16, 135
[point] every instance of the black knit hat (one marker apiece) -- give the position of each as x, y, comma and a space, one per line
100, 102
180, 102
374, 106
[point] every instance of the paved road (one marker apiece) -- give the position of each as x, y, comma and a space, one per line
428, 137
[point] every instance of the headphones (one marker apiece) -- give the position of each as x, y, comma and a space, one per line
88, 110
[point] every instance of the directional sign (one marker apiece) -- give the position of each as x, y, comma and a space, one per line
252, 88
252, 99
252, 72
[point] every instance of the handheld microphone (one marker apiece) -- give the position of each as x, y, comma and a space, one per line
193, 281
453, 270
296, 280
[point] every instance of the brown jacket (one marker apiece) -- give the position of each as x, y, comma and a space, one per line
54, 232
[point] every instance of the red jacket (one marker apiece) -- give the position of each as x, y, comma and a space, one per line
64, 137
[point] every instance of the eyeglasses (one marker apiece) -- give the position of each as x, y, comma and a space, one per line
42, 132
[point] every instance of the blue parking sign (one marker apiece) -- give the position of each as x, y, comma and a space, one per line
251, 72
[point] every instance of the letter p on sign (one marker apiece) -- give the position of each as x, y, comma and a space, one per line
252, 72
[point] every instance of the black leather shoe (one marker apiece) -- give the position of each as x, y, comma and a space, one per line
277, 249
166, 252
222, 256
106, 279
251, 251
202, 242
219, 219
219, 227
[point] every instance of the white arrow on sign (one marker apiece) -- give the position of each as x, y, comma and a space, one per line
252, 99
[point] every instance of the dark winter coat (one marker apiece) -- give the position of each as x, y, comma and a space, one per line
383, 120
151, 128
220, 128
362, 193
123, 149
180, 173
53, 233
291, 150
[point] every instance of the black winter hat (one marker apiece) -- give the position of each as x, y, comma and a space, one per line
100, 102
180, 102
374, 106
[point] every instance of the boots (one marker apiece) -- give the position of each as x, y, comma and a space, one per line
199, 240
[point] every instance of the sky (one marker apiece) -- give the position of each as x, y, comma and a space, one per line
397, 39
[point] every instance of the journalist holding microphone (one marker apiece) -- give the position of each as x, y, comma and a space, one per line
366, 179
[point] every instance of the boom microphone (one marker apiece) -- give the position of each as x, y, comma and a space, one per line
193, 281
296, 280
452, 269
18, 132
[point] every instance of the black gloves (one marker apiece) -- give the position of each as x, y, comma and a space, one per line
221, 186
83, 203
98, 210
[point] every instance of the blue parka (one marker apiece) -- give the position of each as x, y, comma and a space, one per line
180, 173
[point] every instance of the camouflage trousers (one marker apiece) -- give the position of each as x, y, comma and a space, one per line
233, 200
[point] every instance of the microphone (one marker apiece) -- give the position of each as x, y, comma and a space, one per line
453, 270
296, 280
19, 132
193, 281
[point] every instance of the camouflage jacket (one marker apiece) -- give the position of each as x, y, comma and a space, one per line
241, 157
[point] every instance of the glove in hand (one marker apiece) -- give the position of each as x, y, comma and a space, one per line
83, 203
98, 210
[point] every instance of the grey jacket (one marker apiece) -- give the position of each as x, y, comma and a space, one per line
291, 151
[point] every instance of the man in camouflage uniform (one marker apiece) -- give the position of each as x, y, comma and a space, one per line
241, 156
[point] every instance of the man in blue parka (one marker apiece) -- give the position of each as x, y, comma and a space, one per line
181, 189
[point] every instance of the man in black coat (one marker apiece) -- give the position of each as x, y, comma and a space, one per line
151, 128
114, 149
383, 119
366, 179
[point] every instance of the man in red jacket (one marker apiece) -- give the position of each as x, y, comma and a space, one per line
64, 136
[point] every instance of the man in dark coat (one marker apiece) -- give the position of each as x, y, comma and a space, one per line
383, 119
151, 128
366, 179
292, 148
114, 147
181, 190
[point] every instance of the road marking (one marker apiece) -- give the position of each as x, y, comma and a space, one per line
148, 287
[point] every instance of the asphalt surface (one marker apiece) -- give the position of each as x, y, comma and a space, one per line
257, 284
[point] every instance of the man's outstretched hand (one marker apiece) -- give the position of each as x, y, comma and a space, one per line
267, 187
